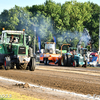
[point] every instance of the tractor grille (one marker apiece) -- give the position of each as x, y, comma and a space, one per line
22, 50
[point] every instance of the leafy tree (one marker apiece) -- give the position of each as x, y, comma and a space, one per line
93, 25
65, 22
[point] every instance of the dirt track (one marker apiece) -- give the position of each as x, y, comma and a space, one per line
74, 82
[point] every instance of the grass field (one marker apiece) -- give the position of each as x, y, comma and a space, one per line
10, 95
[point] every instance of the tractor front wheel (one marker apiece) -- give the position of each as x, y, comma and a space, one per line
32, 64
45, 61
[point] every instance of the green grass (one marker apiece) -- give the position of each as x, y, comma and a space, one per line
15, 95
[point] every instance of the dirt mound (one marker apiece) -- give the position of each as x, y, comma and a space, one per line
26, 85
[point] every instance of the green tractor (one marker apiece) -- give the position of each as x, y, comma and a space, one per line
15, 52
75, 59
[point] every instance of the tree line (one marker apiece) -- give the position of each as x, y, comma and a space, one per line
66, 22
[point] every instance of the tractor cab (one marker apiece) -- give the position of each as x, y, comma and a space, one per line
14, 42
9, 36
50, 47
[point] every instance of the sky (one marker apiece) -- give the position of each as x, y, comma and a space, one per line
8, 4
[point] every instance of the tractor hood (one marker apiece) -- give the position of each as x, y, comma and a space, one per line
17, 49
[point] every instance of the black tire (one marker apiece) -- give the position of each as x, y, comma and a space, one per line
85, 64
7, 63
69, 60
41, 62
12, 66
32, 64
17, 66
65, 60
59, 63
78, 64
74, 63
62, 61
45, 61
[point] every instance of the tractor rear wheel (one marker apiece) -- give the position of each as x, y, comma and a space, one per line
7, 63
69, 60
17, 66
12, 66
65, 60
62, 61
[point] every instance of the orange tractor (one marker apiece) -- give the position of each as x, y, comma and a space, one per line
50, 54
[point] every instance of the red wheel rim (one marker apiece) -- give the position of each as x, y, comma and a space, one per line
73, 63
5, 62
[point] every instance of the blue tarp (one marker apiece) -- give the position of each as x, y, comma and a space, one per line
94, 59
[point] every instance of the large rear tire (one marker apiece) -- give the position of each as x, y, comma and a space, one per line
62, 61
17, 65
65, 60
12, 66
69, 57
7, 63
